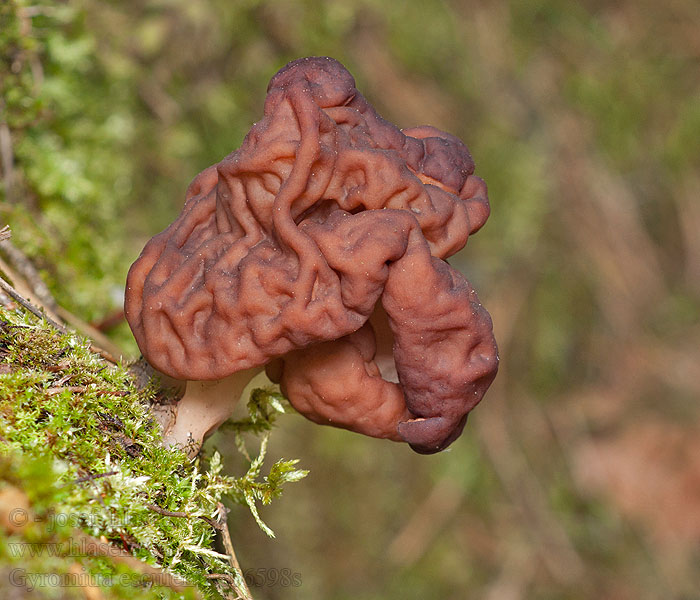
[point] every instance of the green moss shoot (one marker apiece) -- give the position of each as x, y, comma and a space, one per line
77, 439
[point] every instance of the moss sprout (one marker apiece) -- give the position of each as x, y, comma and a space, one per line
78, 444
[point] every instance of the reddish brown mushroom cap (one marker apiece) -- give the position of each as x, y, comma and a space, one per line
287, 247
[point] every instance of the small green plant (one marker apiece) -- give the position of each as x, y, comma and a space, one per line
76, 439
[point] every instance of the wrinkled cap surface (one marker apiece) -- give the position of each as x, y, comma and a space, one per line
318, 249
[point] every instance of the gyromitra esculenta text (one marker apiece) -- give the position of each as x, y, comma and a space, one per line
317, 251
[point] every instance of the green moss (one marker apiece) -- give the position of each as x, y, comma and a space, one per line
76, 437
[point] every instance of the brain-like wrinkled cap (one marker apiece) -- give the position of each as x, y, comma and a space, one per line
318, 249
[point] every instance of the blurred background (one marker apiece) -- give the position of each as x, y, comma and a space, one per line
579, 474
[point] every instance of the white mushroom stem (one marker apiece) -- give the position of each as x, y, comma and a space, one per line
203, 408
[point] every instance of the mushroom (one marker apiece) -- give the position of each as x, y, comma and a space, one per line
317, 251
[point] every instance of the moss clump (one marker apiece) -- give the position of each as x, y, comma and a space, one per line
77, 442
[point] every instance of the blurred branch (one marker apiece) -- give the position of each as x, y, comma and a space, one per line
101, 344
426, 523
23, 266
17, 297
688, 206
29, 284
158, 101
519, 481
527, 495
422, 100
7, 160
603, 218
517, 568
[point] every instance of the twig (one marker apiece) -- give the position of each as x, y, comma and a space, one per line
225, 576
228, 545
16, 296
110, 321
74, 389
91, 477
29, 281
20, 283
23, 265
232, 582
243, 591
7, 159
181, 515
99, 342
